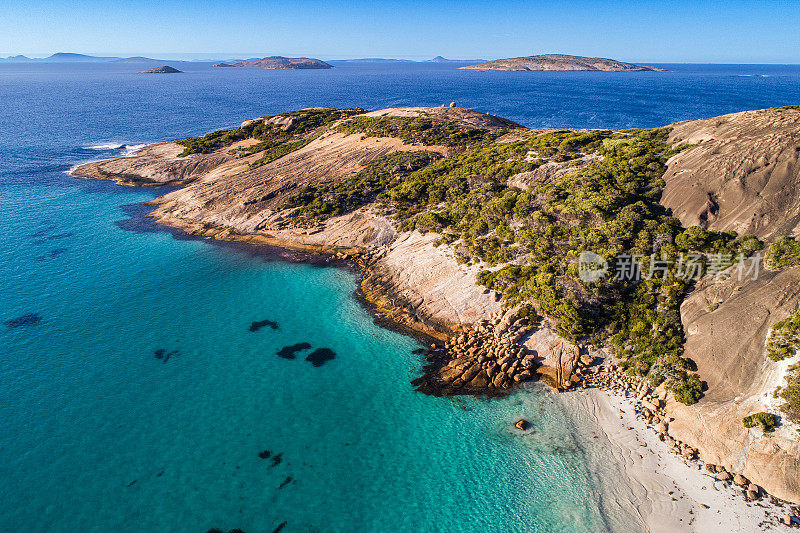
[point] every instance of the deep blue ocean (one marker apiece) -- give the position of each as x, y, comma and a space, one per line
133, 395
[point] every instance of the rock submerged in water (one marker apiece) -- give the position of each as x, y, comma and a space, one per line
31, 319
164, 355
258, 324
290, 352
320, 356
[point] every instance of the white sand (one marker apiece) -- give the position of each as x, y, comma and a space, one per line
697, 501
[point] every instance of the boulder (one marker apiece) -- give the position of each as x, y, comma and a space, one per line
740, 480
480, 381
522, 424
470, 373
723, 475
499, 379
649, 406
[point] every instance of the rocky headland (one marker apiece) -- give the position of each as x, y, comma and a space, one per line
561, 62
465, 225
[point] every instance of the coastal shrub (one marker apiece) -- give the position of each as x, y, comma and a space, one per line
687, 388
783, 253
767, 421
212, 141
269, 134
609, 206
784, 338
419, 130
321, 201
791, 395
276, 152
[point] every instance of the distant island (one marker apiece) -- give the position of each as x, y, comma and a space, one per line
166, 69
137, 59
561, 62
280, 62
221, 65
69, 57
440, 59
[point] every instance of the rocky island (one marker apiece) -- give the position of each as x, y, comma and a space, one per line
470, 228
162, 70
281, 63
561, 62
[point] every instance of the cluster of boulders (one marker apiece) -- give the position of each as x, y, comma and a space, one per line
486, 360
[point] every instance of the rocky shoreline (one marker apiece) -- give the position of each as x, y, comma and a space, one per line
412, 283
484, 361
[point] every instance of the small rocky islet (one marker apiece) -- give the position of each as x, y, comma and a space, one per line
166, 69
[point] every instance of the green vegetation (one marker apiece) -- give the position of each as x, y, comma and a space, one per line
418, 130
785, 252
367, 186
784, 339
270, 132
786, 107
607, 205
783, 342
791, 393
767, 421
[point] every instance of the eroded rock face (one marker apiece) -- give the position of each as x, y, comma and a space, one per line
727, 345
742, 175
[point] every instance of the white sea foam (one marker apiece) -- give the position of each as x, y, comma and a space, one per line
132, 148
105, 146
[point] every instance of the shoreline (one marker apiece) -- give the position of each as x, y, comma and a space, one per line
664, 491
140, 220
408, 283
651, 471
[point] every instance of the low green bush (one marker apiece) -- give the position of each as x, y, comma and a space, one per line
767, 421
783, 253
791, 394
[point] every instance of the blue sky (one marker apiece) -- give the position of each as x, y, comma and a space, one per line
702, 31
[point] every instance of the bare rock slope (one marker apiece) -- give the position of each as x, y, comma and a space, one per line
726, 325
741, 173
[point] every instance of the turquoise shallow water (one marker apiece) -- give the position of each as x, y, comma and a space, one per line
105, 436
98, 434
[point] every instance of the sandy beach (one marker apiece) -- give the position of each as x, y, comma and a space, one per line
659, 489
